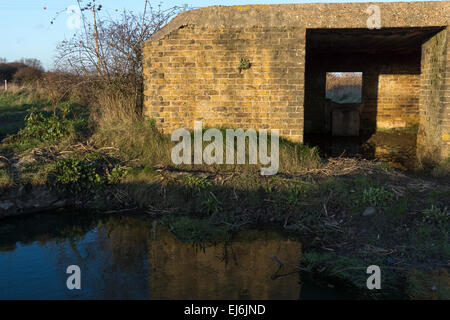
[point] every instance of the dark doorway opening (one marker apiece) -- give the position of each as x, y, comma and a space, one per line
389, 63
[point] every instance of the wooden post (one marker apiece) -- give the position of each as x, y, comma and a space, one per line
6, 85
97, 50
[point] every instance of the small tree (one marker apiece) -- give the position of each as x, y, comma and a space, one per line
109, 51
58, 87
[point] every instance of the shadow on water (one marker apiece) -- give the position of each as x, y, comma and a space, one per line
130, 257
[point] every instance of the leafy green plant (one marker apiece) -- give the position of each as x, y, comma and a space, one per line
76, 175
376, 196
42, 127
116, 174
196, 183
244, 64
293, 194
152, 123
384, 166
436, 214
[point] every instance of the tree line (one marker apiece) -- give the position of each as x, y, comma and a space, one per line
23, 71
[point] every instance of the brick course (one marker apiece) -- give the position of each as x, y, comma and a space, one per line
193, 75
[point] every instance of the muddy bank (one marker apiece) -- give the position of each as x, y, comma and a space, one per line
26, 200
23, 200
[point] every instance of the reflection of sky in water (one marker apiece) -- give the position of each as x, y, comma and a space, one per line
38, 271
127, 258
29, 272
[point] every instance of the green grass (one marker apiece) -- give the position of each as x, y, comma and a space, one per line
442, 169
14, 107
6, 180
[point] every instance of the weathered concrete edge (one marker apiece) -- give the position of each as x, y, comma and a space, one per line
312, 15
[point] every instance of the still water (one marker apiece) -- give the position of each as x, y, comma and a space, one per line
130, 257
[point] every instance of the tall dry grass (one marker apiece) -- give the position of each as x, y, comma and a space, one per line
26, 93
118, 124
141, 144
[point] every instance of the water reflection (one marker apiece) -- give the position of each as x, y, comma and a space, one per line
244, 269
134, 258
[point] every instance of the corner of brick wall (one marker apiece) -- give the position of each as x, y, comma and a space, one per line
446, 105
433, 140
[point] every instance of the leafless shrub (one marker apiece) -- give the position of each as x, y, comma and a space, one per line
108, 54
58, 87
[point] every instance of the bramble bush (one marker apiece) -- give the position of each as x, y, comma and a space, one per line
37, 126
77, 175
43, 128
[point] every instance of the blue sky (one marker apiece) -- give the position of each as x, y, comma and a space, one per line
26, 30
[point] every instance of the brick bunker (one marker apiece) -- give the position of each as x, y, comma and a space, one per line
191, 69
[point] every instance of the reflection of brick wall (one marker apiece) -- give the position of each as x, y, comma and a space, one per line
398, 100
192, 74
240, 270
434, 99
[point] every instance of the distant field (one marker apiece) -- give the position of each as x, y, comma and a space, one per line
14, 106
344, 87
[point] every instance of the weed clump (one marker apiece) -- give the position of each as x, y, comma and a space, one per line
80, 175
377, 196
197, 184
39, 127
442, 169
75, 175
6, 180
435, 215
